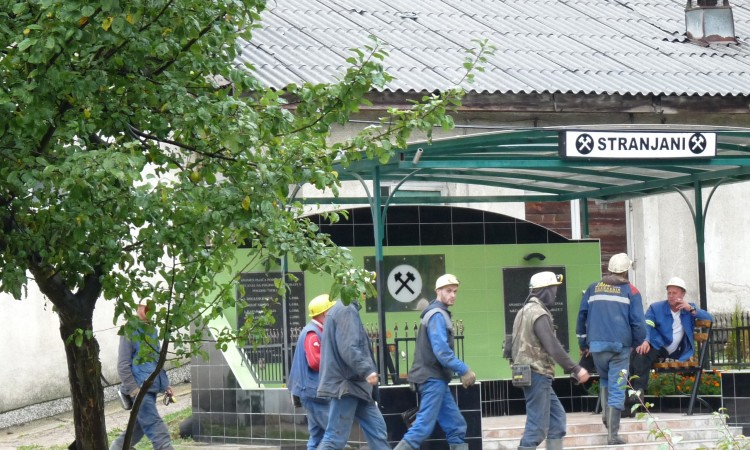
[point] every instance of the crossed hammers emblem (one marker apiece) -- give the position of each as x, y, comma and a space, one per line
404, 283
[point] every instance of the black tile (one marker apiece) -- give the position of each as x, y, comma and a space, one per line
217, 400
434, 214
516, 407
554, 238
741, 384
434, 445
230, 425
529, 233
230, 400
396, 399
395, 426
203, 379
436, 234
515, 393
402, 215
363, 236
464, 215
468, 234
500, 233
341, 235
244, 425
404, 234
204, 400
217, 376
727, 385
742, 407
473, 423
362, 216
474, 443
469, 399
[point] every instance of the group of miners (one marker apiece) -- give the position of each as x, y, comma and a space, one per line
334, 376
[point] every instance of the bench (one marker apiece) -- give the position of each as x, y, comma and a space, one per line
695, 365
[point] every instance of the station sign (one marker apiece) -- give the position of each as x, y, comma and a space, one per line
637, 144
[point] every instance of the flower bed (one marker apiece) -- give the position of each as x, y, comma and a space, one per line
661, 384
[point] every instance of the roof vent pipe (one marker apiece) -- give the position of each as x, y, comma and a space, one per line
710, 22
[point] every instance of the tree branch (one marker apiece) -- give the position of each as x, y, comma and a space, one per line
189, 44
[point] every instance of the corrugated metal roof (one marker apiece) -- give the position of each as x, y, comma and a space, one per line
572, 46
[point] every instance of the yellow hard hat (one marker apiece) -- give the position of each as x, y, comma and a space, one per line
320, 304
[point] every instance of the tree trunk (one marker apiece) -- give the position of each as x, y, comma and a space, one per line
76, 313
87, 394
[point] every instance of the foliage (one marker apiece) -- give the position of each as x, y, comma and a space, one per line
737, 346
138, 156
662, 383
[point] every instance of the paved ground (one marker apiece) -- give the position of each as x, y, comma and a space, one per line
59, 429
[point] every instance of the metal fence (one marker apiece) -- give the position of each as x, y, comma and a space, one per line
269, 358
730, 346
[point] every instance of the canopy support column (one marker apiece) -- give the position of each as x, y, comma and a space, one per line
378, 230
700, 239
584, 218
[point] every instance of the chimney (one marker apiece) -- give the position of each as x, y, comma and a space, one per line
709, 22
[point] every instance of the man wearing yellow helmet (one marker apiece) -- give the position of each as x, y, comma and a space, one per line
304, 374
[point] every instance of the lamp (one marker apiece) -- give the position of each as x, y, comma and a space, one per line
531, 256
417, 156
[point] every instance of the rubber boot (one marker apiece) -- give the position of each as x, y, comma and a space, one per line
463, 446
603, 403
403, 445
613, 419
554, 444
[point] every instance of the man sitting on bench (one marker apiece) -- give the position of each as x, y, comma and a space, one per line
670, 325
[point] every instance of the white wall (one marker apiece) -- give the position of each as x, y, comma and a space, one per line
664, 245
34, 367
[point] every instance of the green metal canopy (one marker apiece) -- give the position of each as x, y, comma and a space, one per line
529, 160
535, 163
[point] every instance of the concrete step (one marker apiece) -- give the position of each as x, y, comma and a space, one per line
585, 431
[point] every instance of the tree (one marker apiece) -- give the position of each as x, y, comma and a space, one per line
137, 158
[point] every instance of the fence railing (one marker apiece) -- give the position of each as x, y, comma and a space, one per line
730, 348
269, 363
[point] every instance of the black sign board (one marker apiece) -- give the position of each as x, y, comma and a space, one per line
408, 281
516, 289
261, 293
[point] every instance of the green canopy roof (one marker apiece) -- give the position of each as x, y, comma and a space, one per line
529, 160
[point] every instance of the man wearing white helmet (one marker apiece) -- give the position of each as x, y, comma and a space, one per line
536, 345
610, 324
670, 324
304, 374
434, 365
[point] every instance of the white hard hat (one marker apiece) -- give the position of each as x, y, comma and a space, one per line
446, 280
619, 263
544, 279
677, 281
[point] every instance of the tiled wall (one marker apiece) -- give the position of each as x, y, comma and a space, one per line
227, 414
435, 225
501, 398
735, 394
